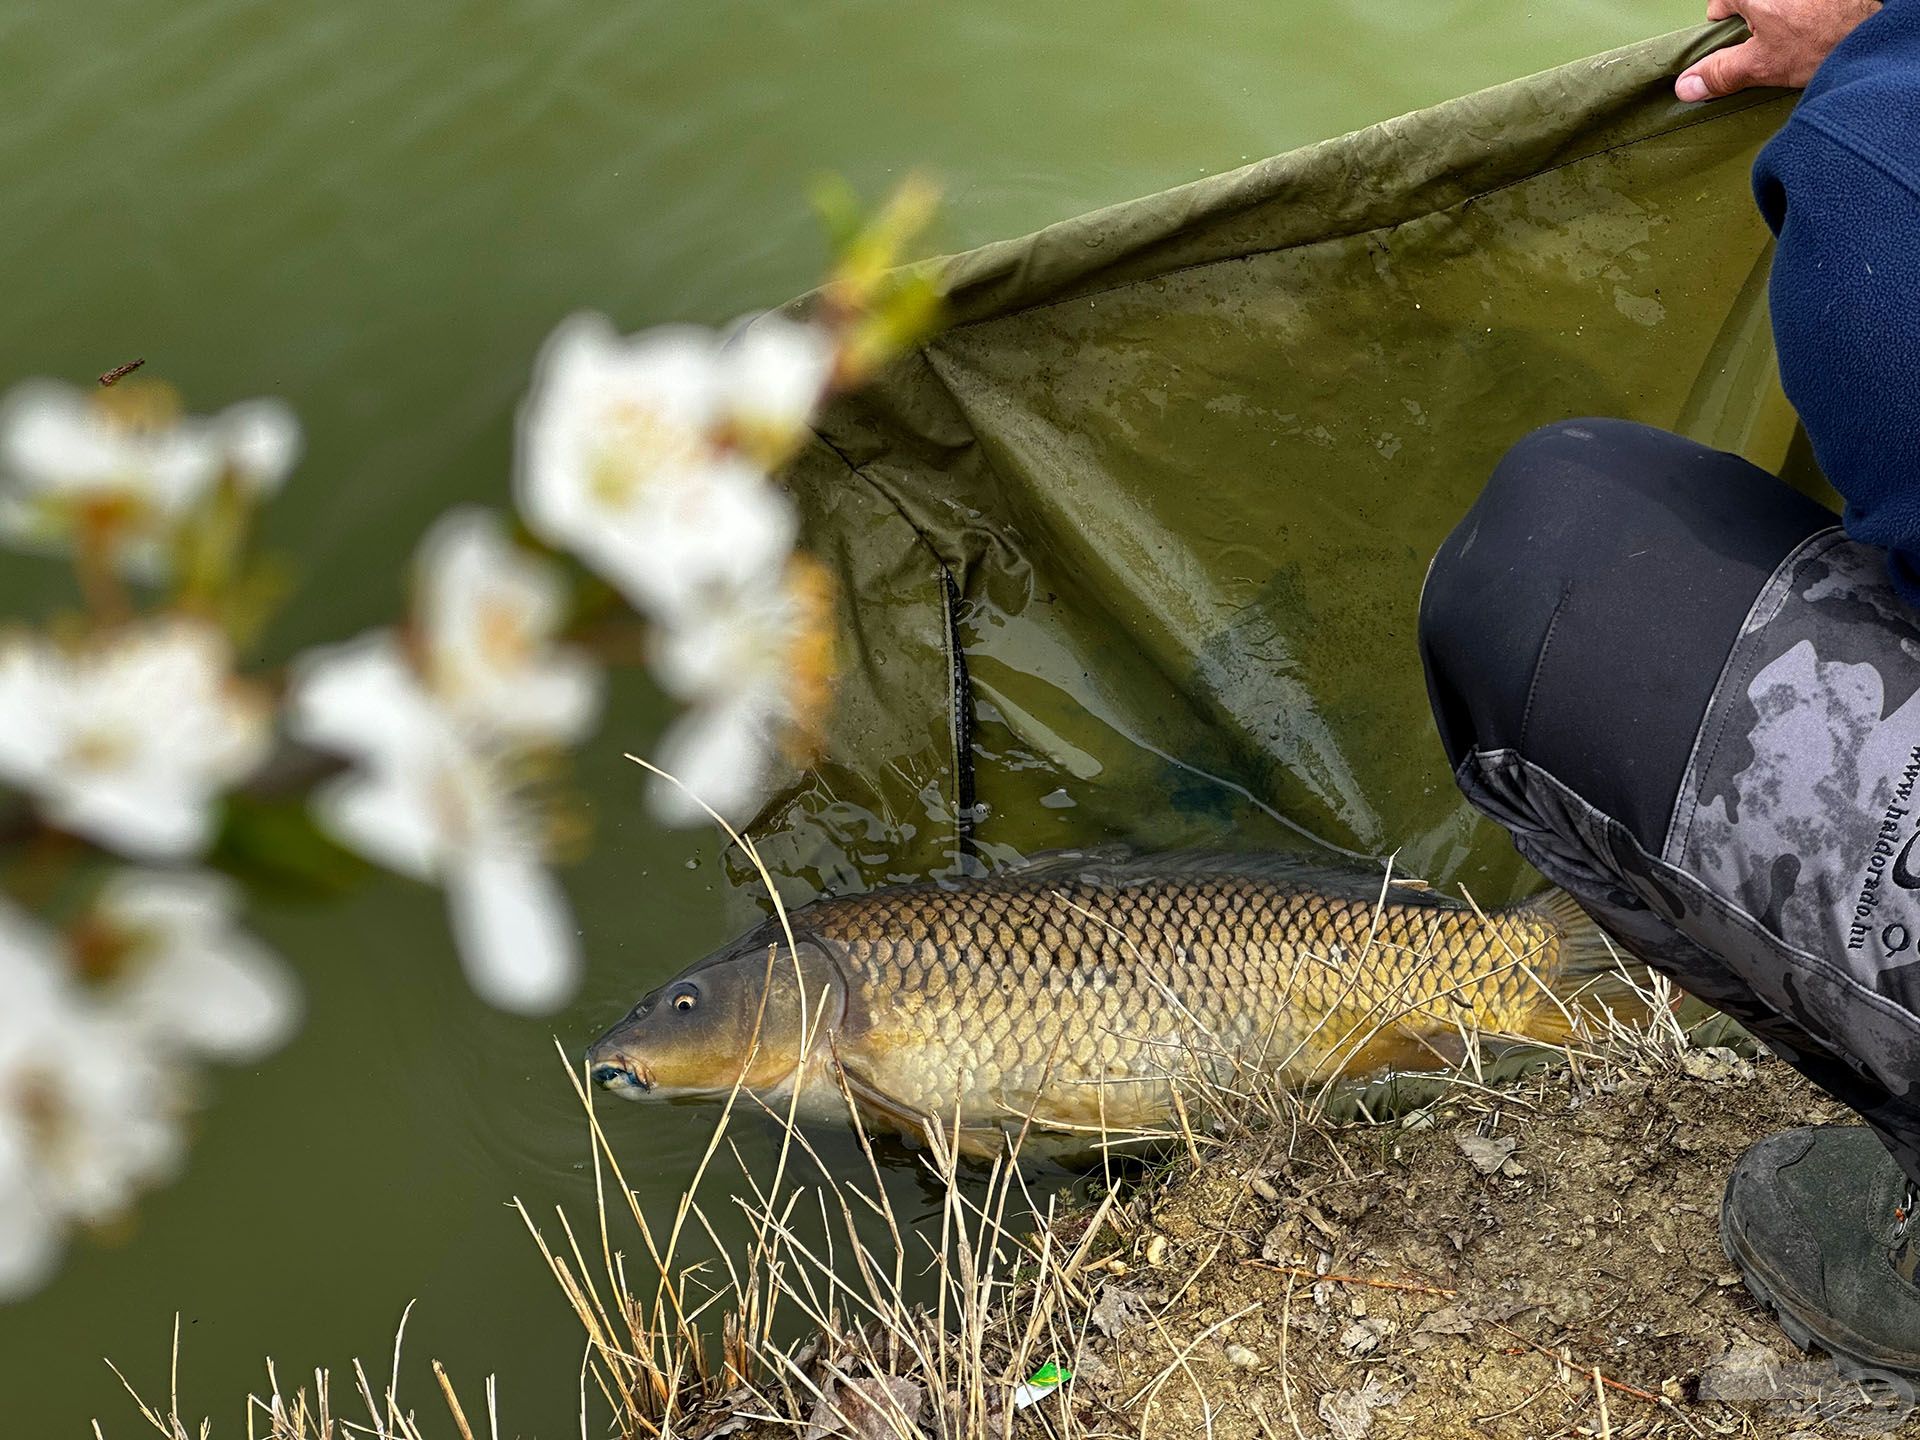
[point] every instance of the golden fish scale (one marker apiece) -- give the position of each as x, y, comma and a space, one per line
1014, 995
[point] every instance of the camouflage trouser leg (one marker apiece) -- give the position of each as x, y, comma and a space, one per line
1692, 701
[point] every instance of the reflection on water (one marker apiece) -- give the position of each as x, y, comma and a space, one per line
376, 212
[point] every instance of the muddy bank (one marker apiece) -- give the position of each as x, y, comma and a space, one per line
1499, 1246
1535, 1259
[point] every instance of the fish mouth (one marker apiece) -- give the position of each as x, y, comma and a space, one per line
625, 1077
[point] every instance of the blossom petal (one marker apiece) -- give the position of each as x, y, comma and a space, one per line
587, 376
360, 699
736, 638
50, 435
514, 930
774, 372
262, 442
726, 528
148, 816
488, 612
722, 755
174, 470
123, 1101
385, 817
558, 703
31, 697
31, 1236
195, 978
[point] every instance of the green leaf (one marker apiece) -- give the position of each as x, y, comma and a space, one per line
274, 846
841, 214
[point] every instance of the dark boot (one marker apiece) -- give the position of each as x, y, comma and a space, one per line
1817, 1222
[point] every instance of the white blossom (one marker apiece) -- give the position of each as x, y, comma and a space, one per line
486, 615
129, 740
127, 463
774, 372
176, 968
90, 1110
723, 756
624, 459
260, 442
756, 664
430, 798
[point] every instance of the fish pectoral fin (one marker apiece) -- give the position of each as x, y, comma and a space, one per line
881, 1106
1115, 1107
980, 1142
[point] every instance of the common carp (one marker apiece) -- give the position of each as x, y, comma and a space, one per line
1070, 995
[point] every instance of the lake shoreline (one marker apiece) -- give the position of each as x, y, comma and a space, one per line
1508, 1260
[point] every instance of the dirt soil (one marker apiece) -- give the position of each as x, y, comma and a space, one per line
1501, 1247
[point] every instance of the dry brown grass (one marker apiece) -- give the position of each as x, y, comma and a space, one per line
308, 1412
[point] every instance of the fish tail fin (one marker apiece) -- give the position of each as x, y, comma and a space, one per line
1590, 976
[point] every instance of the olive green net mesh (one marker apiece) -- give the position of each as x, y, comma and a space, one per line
1133, 548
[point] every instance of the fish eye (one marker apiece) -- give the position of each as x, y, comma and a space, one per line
685, 1000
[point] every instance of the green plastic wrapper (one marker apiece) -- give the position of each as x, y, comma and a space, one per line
1132, 549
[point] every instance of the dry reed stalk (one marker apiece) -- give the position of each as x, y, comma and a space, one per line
301, 1417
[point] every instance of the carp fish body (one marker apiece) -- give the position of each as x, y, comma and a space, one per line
1069, 996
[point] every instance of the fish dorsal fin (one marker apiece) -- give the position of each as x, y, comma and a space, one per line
1050, 863
1116, 867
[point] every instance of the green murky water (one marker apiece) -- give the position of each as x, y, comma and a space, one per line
377, 211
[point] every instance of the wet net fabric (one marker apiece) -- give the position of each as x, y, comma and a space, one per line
1133, 548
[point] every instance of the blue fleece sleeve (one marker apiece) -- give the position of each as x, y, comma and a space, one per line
1840, 185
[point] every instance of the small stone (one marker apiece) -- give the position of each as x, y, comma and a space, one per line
1491, 1155
1281, 1245
1352, 1205
1348, 1414
1117, 1309
1748, 1372
1157, 1250
1246, 1359
1716, 1064
867, 1409
1447, 1320
1362, 1337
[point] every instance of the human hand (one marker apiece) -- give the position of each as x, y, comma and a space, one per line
1790, 39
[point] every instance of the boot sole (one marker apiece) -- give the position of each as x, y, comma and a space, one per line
1801, 1332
